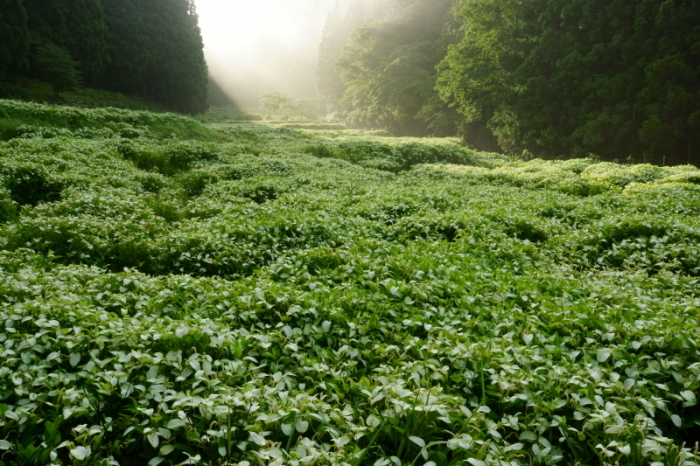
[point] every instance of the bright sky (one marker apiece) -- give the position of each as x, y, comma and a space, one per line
258, 46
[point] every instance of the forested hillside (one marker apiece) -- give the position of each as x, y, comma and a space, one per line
549, 77
153, 49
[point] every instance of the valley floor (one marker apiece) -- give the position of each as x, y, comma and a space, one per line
243, 294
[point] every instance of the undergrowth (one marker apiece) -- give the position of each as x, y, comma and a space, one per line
276, 295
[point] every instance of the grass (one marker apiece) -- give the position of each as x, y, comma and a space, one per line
246, 293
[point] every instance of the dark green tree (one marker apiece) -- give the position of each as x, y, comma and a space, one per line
156, 50
14, 38
563, 78
77, 25
55, 65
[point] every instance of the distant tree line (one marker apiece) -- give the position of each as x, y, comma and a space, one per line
615, 78
150, 48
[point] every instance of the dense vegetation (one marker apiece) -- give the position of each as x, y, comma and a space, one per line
555, 78
249, 294
152, 49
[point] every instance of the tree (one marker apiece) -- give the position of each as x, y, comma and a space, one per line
274, 102
55, 65
336, 33
14, 38
555, 77
307, 106
388, 70
156, 51
77, 25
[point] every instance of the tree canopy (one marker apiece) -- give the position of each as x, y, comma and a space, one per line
14, 38
149, 48
556, 78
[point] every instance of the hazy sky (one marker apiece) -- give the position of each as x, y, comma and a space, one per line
258, 46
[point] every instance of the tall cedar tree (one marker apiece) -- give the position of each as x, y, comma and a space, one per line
14, 38
156, 50
77, 25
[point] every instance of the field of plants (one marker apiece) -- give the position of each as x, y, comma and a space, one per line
256, 294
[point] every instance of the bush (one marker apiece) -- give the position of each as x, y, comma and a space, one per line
29, 184
13, 91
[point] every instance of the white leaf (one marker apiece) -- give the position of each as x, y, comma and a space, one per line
222, 451
326, 326
342, 441
256, 438
690, 398
418, 441
625, 449
74, 359
603, 354
676, 419
430, 463
175, 423
153, 439
302, 426
527, 338
156, 461
5, 445
287, 429
476, 462
80, 453
372, 421
528, 435
181, 332
515, 446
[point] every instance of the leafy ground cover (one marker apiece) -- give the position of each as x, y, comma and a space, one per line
251, 294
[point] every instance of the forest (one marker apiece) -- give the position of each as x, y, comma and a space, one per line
549, 78
153, 49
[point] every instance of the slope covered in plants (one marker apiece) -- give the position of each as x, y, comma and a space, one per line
246, 294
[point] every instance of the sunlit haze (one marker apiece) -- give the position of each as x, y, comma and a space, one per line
258, 46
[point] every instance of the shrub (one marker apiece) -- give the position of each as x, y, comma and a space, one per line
29, 184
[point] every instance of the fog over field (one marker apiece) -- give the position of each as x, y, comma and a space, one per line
263, 46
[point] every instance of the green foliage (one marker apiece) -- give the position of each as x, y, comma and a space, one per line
75, 25
559, 78
13, 91
275, 103
388, 71
156, 51
14, 40
299, 296
34, 120
55, 65
29, 184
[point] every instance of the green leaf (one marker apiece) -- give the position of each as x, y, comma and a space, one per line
165, 450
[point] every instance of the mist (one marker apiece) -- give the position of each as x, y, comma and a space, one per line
258, 46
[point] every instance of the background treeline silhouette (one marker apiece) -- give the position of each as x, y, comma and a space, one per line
616, 78
151, 48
